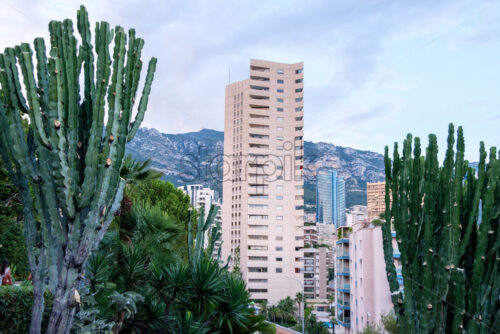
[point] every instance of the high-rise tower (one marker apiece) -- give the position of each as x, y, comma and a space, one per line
330, 198
263, 191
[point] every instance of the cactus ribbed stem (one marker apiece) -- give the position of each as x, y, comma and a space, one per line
447, 223
67, 172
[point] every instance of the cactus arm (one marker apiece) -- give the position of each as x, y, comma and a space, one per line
13, 127
483, 235
24, 54
15, 85
60, 164
139, 117
129, 71
471, 222
136, 73
110, 166
115, 206
92, 155
70, 74
43, 77
190, 235
387, 236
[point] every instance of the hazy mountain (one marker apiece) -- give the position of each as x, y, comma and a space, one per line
196, 157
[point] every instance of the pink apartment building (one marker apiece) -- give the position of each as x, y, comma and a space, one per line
365, 279
262, 213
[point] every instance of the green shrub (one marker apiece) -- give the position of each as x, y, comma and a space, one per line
15, 308
13, 247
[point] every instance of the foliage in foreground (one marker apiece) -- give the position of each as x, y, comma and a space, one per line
447, 225
158, 272
15, 308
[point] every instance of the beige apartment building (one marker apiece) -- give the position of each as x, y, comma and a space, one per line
375, 199
263, 187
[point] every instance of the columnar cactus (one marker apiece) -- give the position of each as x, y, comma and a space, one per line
68, 165
447, 228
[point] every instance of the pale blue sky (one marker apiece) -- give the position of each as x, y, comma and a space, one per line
374, 70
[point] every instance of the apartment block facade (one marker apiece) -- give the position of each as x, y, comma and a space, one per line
362, 288
263, 187
375, 199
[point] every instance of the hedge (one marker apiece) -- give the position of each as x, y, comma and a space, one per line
15, 309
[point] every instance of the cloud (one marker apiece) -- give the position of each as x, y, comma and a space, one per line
350, 80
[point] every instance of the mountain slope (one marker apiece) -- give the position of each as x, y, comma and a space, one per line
196, 157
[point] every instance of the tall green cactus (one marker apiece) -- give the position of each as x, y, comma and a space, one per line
68, 166
447, 225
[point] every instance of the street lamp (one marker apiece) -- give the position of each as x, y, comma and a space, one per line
302, 286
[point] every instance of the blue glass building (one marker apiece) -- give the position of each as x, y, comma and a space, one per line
330, 198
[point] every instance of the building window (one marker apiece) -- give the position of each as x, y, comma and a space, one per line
280, 138
257, 280
281, 81
279, 259
279, 119
279, 207
279, 128
279, 238
279, 248
279, 227
281, 71
280, 109
279, 99
279, 148
298, 99
258, 227
300, 70
257, 258
279, 270
257, 237
299, 80
280, 90
279, 217
257, 247
299, 90
279, 197
257, 206
279, 187
257, 269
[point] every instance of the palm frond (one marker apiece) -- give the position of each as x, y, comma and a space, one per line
133, 171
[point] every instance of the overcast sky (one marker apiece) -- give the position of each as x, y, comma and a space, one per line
374, 70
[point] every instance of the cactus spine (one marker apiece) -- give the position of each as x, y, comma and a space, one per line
67, 167
447, 225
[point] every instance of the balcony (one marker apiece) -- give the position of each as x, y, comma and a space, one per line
259, 107
343, 271
255, 125
259, 98
259, 146
344, 321
345, 288
343, 255
343, 241
260, 69
259, 88
309, 282
343, 306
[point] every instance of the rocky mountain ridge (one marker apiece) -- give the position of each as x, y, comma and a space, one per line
197, 157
